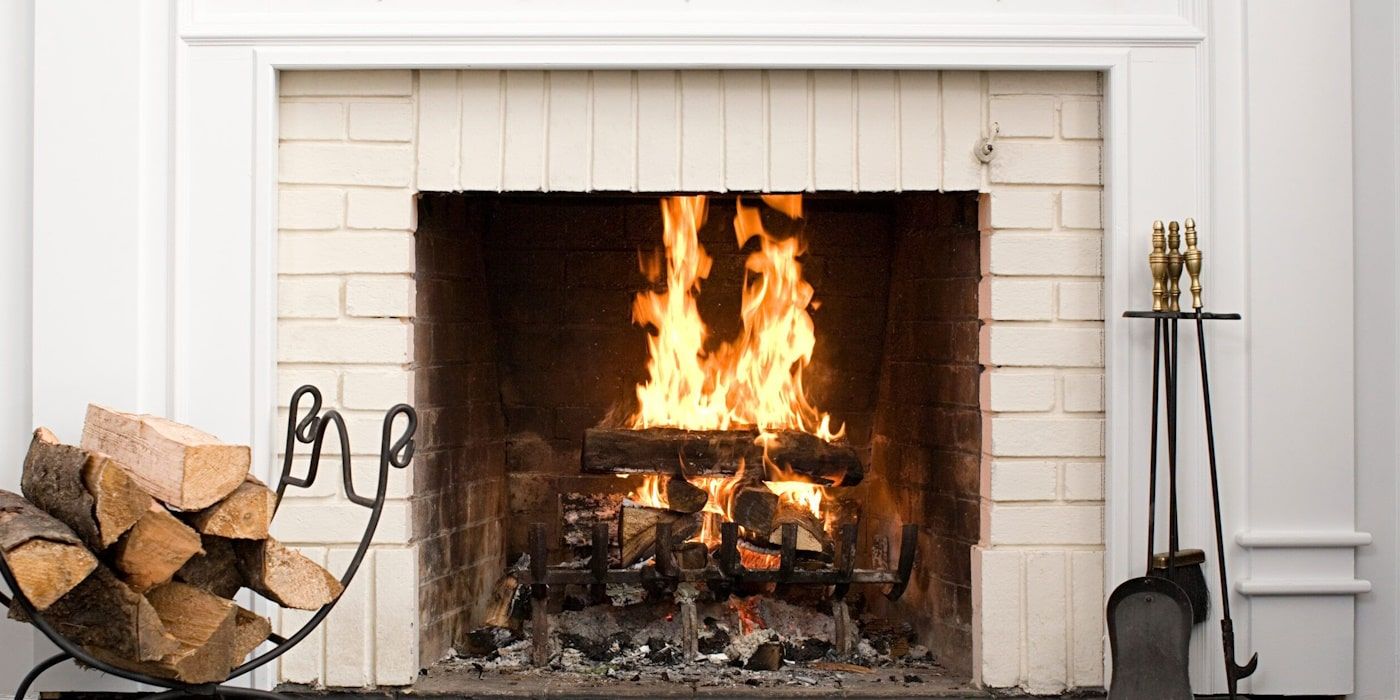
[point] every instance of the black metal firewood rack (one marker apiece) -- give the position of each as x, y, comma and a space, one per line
310, 430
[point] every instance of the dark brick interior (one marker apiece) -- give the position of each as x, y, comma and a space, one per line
525, 339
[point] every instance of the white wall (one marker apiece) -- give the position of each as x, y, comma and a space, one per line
1375, 89
16, 130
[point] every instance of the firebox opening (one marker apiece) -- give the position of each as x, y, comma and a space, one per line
524, 340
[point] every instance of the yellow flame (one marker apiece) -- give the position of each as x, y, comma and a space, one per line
754, 381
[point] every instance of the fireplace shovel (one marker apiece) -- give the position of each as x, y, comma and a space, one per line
1149, 617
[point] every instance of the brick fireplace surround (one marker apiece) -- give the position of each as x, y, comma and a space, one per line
358, 147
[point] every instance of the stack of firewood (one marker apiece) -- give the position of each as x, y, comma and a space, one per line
133, 543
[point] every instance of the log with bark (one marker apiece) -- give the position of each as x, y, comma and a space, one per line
47, 559
637, 529
215, 570
714, 452
685, 497
245, 514
753, 508
285, 576
86, 490
204, 627
691, 556
103, 613
154, 548
186, 468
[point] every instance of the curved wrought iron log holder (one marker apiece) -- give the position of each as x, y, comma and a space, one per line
311, 430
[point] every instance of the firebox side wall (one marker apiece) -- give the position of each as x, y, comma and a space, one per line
927, 444
459, 511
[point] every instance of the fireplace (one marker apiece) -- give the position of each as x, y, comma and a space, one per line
477, 238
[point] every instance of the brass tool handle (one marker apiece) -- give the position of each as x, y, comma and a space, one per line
1157, 261
1174, 267
1193, 263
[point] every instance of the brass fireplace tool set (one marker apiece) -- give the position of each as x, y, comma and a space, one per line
1150, 617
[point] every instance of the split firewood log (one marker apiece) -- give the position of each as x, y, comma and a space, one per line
685, 497
812, 539
285, 576
637, 529
245, 514
215, 570
86, 490
692, 556
154, 548
753, 508
250, 630
204, 627
710, 452
46, 557
104, 615
185, 468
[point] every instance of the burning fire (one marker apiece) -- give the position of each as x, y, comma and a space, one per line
752, 382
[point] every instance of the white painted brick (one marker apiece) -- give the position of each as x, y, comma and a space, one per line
302, 664
346, 164
1032, 115
365, 470
1024, 481
381, 121
338, 522
395, 615
308, 297
1046, 437
379, 297
350, 342
349, 650
1081, 301
325, 485
996, 613
327, 253
1025, 82
1046, 623
1019, 392
1012, 299
1046, 524
1084, 481
311, 121
1086, 619
1020, 208
347, 82
381, 209
1049, 163
1079, 119
439, 130
1042, 346
377, 389
290, 378
1083, 393
1081, 209
310, 209
1045, 254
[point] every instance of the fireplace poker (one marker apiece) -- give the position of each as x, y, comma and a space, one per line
1233, 671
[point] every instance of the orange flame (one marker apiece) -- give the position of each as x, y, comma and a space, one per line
754, 381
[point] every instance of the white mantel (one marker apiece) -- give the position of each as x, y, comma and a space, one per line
154, 190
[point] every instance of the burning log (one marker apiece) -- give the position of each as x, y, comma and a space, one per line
637, 529
812, 540
753, 508
715, 452
685, 497
692, 556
